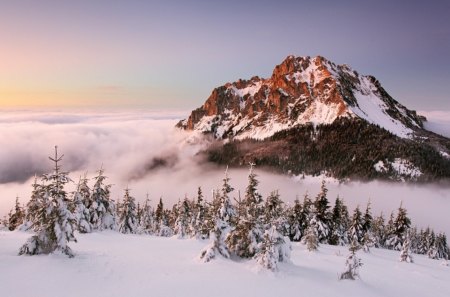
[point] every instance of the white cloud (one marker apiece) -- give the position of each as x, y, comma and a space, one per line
132, 145
437, 121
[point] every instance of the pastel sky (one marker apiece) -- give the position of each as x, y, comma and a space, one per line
171, 54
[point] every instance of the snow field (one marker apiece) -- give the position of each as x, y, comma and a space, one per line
112, 264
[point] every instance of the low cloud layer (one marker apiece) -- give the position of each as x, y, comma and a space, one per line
144, 151
438, 122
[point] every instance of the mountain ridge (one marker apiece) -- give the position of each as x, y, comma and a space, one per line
300, 90
313, 117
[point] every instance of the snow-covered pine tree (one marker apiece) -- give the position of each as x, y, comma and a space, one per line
172, 215
424, 241
217, 245
16, 216
340, 223
275, 248
378, 231
322, 215
159, 212
164, 228
80, 203
4, 223
401, 224
226, 209
273, 208
356, 231
367, 219
368, 237
33, 206
389, 230
274, 213
162, 220
182, 220
148, 222
352, 263
128, 214
432, 252
56, 223
443, 251
103, 209
200, 215
212, 209
405, 253
138, 217
307, 213
294, 219
311, 239
245, 239
414, 239
224, 221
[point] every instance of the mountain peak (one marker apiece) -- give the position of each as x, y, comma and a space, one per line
301, 90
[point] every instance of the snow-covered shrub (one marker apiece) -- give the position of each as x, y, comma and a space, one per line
275, 248
352, 263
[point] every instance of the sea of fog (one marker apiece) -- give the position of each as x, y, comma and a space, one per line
143, 151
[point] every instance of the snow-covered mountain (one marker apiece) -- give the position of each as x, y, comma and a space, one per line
301, 90
313, 117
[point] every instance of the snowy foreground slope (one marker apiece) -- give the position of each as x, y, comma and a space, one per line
113, 264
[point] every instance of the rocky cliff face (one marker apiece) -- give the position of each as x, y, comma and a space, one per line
312, 117
301, 90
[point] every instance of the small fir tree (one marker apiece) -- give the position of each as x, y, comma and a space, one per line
200, 226
128, 214
224, 220
273, 208
103, 209
159, 212
16, 216
307, 213
275, 214
245, 239
379, 231
368, 237
323, 220
294, 220
148, 221
81, 198
405, 253
4, 224
56, 224
275, 248
442, 248
398, 229
164, 228
432, 251
182, 220
33, 207
352, 263
340, 223
368, 219
311, 238
356, 231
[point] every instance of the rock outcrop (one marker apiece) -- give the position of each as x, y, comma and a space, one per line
301, 90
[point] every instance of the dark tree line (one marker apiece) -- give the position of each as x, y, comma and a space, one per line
346, 148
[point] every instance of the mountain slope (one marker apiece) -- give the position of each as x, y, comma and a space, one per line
313, 116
